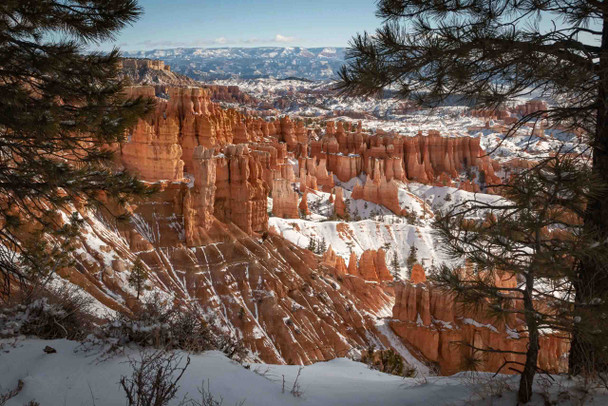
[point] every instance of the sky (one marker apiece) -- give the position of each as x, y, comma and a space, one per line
246, 23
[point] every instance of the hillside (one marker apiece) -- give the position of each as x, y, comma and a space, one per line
243, 201
334, 383
222, 63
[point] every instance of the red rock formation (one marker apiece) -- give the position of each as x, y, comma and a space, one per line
430, 321
200, 200
352, 265
153, 151
241, 192
421, 158
529, 107
331, 259
198, 238
372, 266
339, 205
189, 119
230, 94
417, 275
310, 167
287, 306
284, 199
303, 207
378, 190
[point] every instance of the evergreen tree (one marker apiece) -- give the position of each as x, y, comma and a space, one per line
536, 236
61, 110
322, 246
312, 245
356, 216
395, 264
138, 276
412, 258
347, 210
350, 245
488, 52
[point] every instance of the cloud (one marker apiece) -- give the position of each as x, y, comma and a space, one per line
253, 40
282, 38
277, 39
160, 44
207, 42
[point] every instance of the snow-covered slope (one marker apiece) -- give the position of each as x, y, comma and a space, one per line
217, 63
374, 226
73, 376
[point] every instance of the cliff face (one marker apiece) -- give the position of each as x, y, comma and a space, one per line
281, 301
205, 236
284, 199
339, 205
229, 94
380, 191
152, 72
241, 191
424, 158
199, 235
372, 266
430, 321
161, 147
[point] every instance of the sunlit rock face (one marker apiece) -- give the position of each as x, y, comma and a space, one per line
380, 191
284, 199
205, 237
431, 321
423, 158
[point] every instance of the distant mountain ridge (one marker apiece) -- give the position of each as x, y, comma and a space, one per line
250, 63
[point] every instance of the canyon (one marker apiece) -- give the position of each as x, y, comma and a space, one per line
241, 196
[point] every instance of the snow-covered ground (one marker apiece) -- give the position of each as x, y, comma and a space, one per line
75, 376
319, 99
373, 226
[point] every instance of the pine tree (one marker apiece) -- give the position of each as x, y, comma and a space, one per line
485, 53
350, 245
347, 210
312, 245
138, 276
534, 236
395, 264
412, 258
322, 246
61, 110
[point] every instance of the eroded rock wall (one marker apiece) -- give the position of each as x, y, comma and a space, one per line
430, 321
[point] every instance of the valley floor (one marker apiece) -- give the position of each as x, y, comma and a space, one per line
76, 376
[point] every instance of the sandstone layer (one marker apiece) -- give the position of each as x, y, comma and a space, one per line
431, 322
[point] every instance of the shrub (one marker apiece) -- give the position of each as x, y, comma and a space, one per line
6, 396
387, 361
207, 399
49, 314
154, 380
161, 326
158, 325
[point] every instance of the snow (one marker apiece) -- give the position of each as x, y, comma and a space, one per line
397, 344
376, 227
75, 376
478, 324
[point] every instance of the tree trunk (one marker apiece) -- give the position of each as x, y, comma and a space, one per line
527, 376
592, 278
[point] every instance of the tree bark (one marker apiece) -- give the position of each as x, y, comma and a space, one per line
527, 376
592, 277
